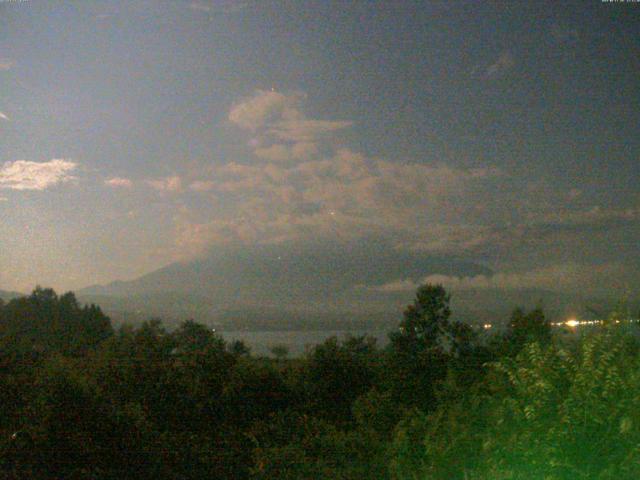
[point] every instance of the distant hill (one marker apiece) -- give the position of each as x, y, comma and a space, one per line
7, 295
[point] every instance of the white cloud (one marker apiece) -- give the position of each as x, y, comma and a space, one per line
344, 196
26, 175
308, 188
305, 130
286, 153
265, 106
555, 277
202, 186
167, 184
284, 132
3, 116
119, 182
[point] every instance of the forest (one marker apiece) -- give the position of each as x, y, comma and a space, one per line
82, 400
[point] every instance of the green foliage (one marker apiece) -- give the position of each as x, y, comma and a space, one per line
550, 412
81, 401
335, 374
279, 351
44, 322
422, 350
527, 327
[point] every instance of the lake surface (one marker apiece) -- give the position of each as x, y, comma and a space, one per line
297, 341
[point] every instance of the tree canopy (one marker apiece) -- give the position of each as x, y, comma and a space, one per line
81, 400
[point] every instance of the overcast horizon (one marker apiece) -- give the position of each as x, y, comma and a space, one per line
141, 133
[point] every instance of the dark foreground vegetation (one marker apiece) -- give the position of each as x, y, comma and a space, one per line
82, 401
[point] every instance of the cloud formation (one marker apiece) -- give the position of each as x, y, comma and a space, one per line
202, 186
119, 182
3, 116
341, 197
26, 175
282, 131
168, 184
302, 186
555, 277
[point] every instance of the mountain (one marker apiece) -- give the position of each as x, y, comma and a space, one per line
284, 280
291, 287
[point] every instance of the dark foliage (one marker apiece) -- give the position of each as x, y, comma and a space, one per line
80, 401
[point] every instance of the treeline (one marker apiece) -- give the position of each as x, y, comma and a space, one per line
82, 401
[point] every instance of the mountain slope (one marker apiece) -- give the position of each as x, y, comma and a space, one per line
276, 277
279, 273
285, 286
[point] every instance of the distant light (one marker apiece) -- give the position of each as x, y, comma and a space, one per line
487, 326
572, 323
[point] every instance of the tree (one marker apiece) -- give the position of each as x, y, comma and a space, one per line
527, 327
239, 348
336, 373
422, 349
550, 412
279, 351
428, 318
46, 323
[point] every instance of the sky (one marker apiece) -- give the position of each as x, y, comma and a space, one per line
135, 134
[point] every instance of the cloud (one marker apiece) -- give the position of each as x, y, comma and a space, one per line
168, 184
571, 225
119, 182
555, 277
283, 131
202, 186
305, 130
225, 7
318, 191
265, 106
395, 286
306, 188
3, 116
593, 217
500, 67
287, 153
344, 196
26, 175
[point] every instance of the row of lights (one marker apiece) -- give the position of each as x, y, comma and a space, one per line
573, 323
